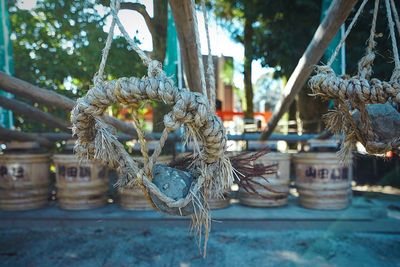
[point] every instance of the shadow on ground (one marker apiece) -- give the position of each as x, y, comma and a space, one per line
174, 247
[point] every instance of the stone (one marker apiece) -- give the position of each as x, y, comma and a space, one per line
175, 184
385, 120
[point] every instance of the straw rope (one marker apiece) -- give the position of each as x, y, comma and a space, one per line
358, 91
97, 141
197, 41
210, 63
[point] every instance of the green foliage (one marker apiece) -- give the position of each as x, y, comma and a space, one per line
227, 71
286, 28
58, 46
282, 29
233, 13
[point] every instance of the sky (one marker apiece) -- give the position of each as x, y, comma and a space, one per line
221, 43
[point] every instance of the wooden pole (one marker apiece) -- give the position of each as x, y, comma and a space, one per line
51, 98
336, 15
11, 135
49, 137
32, 113
190, 50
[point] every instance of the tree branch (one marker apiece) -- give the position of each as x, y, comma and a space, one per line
141, 9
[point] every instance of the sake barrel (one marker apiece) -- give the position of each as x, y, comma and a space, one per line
322, 182
80, 185
133, 198
24, 177
277, 182
216, 203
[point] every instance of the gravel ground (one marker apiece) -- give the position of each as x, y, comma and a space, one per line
174, 247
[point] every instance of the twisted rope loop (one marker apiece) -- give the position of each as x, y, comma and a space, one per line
97, 141
358, 91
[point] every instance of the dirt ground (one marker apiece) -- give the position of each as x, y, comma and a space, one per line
92, 246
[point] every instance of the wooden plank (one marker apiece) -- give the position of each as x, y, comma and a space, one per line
336, 15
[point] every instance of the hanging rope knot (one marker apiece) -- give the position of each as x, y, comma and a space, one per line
97, 79
154, 69
365, 65
353, 95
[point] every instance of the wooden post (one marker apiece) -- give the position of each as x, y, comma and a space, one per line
336, 15
190, 50
51, 98
32, 113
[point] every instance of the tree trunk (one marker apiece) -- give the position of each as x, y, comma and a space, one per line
160, 24
159, 38
188, 43
248, 58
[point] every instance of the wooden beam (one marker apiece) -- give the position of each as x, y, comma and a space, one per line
32, 113
47, 139
336, 15
190, 50
47, 97
11, 135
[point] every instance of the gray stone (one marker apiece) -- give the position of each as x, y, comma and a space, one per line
175, 184
385, 120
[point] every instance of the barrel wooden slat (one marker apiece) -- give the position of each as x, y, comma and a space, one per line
80, 186
216, 203
322, 182
83, 203
278, 182
24, 181
133, 198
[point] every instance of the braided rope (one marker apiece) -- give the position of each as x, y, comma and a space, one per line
395, 15
352, 23
97, 141
197, 41
210, 63
358, 91
189, 108
114, 12
392, 35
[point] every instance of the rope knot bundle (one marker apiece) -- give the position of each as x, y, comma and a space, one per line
353, 94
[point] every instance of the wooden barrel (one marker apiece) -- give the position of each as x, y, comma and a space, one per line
24, 180
133, 198
322, 182
219, 203
80, 185
278, 182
